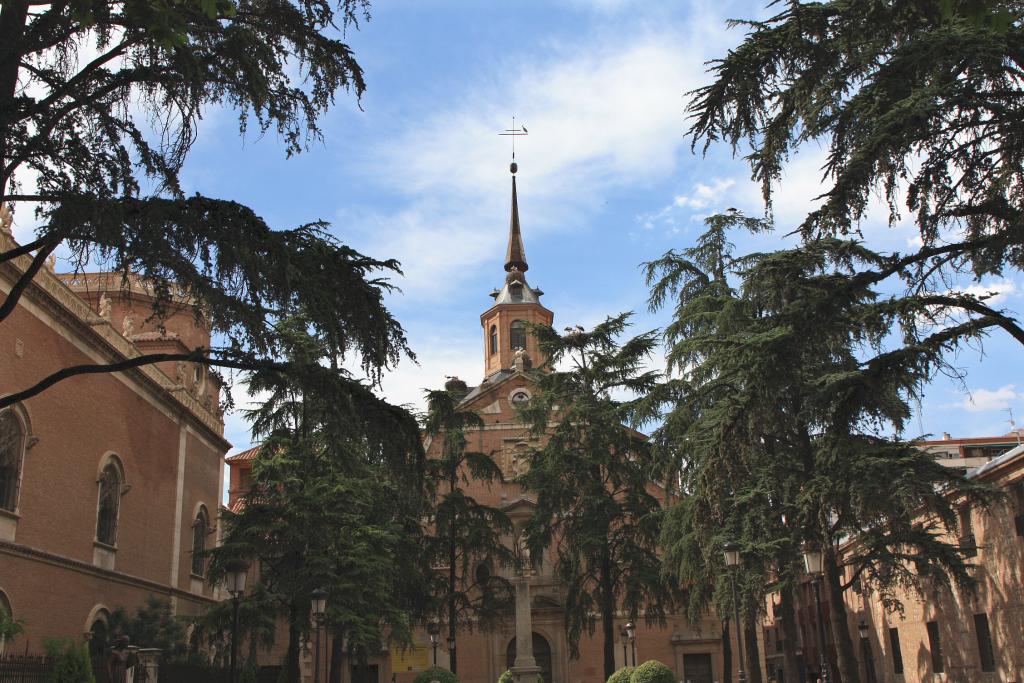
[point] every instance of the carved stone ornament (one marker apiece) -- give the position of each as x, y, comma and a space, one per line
6, 218
105, 305
128, 326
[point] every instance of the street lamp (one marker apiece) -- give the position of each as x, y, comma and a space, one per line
625, 641
237, 571
631, 637
813, 565
432, 630
318, 606
731, 551
869, 665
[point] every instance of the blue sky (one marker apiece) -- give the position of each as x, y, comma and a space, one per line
607, 179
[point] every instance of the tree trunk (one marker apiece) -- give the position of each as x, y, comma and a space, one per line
726, 652
334, 675
607, 615
451, 580
845, 656
13, 17
790, 635
291, 658
753, 651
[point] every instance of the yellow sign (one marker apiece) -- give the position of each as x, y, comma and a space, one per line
413, 659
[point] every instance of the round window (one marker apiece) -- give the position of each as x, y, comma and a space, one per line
520, 397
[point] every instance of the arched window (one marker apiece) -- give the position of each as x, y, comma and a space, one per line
12, 451
494, 339
109, 504
200, 530
6, 613
517, 335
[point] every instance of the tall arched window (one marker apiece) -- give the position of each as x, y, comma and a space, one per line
109, 503
12, 451
200, 529
517, 335
7, 613
494, 339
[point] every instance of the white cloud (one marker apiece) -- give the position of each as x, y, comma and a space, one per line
992, 292
601, 114
987, 400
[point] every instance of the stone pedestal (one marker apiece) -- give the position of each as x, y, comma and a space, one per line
524, 669
148, 668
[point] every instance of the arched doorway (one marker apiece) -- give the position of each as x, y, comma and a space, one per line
98, 638
541, 653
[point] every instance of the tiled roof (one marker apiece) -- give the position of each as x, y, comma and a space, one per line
249, 454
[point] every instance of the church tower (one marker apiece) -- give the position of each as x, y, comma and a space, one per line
515, 304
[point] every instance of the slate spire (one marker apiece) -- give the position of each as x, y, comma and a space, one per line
515, 255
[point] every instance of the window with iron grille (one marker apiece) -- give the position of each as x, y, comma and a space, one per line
12, 450
200, 530
110, 501
897, 652
985, 650
935, 647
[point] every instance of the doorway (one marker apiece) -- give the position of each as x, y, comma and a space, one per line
541, 654
697, 668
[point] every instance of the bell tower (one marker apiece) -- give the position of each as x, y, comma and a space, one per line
515, 304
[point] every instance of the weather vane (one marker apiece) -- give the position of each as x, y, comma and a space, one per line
514, 132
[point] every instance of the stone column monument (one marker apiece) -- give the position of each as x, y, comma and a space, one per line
524, 669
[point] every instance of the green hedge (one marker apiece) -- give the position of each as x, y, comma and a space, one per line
72, 663
652, 671
622, 675
436, 673
506, 677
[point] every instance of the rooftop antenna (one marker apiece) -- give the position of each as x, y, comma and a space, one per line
514, 132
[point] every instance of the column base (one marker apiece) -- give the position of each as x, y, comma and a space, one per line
526, 674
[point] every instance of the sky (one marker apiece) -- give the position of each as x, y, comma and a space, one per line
416, 171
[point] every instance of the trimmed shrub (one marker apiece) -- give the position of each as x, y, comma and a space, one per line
622, 675
508, 678
436, 673
72, 663
652, 671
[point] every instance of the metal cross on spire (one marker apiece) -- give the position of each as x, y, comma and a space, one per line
514, 132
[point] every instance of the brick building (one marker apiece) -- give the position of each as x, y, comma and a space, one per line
108, 482
942, 634
509, 358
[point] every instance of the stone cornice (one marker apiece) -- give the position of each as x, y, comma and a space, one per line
34, 554
50, 292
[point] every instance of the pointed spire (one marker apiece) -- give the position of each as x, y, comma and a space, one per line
515, 255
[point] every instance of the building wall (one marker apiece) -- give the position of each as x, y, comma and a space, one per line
53, 572
999, 596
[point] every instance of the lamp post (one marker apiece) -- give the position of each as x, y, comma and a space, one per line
451, 649
813, 565
625, 641
732, 561
237, 571
869, 665
631, 637
318, 606
432, 630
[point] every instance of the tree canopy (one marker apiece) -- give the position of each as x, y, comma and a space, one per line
597, 506
99, 105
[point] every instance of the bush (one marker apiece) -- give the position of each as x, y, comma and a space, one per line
506, 677
622, 675
436, 673
652, 671
72, 663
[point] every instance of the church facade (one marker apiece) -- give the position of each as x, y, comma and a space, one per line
509, 359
